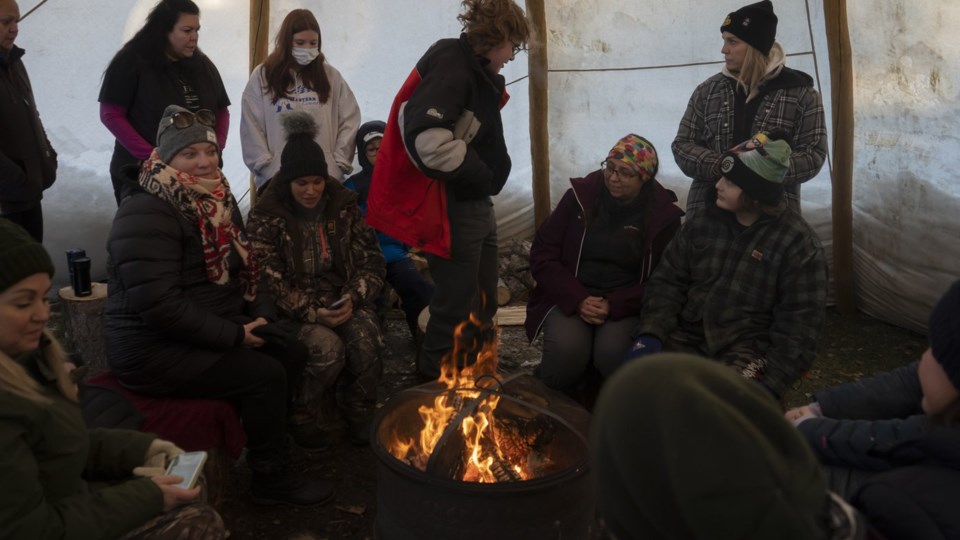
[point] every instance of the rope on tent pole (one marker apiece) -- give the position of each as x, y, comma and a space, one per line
659, 66
34, 8
539, 111
841, 81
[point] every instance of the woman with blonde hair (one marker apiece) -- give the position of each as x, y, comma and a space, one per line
754, 92
47, 455
296, 76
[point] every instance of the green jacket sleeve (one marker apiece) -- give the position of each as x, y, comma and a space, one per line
115, 452
27, 511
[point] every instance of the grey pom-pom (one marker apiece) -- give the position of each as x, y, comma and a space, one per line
298, 123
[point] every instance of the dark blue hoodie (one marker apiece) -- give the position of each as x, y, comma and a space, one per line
393, 249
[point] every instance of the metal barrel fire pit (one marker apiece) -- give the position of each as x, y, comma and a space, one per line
504, 459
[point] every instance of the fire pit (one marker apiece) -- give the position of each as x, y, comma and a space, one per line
475, 455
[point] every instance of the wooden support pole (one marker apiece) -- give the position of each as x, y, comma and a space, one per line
539, 110
259, 41
841, 82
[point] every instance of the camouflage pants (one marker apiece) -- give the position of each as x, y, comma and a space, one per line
315, 400
362, 342
190, 522
350, 354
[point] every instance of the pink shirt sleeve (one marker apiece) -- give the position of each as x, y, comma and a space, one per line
114, 117
223, 127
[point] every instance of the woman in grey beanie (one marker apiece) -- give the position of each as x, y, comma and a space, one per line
186, 316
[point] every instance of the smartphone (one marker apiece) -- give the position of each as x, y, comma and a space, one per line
187, 466
340, 301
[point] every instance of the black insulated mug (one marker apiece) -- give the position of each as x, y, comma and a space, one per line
80, 276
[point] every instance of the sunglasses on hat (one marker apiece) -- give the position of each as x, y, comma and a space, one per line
185, 119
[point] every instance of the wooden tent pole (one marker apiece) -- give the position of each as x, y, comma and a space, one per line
538, 91
259, 35
841, 82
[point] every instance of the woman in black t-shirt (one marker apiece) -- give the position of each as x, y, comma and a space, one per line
161, 65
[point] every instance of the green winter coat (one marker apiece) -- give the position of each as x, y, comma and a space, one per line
47, 457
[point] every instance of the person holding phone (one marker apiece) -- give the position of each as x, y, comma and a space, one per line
46, 451
324, 266
186, 315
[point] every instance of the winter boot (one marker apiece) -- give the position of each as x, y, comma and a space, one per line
277, 484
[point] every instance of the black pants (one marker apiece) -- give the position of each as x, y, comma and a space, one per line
465, 283
31, 220
261, 382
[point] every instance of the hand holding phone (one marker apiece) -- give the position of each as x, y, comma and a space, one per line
187, 466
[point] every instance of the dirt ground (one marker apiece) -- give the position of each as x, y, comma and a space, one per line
851, 348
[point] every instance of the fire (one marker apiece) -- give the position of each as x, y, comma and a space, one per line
465, 373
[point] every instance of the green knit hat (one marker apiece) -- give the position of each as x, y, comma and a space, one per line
684, 447
759, 165
20, 255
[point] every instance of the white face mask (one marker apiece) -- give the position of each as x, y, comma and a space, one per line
304, 56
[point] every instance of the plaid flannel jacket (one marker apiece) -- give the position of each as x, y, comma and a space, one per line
762, 289
706, 131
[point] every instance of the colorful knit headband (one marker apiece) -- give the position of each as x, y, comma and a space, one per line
638, 153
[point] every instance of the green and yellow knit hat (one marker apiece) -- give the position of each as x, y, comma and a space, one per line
20, 255
638, 154
759, 165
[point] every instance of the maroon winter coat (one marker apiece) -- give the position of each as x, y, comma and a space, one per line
555, 255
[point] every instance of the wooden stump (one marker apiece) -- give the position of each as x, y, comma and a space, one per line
83, 325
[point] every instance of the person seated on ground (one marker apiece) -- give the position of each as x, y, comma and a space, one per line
744, 282
185, 316
414, 291
891, 443
48, 458
591, 260
325, 269
683, 448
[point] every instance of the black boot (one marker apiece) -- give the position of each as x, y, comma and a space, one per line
277, 484
359, 422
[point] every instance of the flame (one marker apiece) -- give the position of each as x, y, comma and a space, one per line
469, 367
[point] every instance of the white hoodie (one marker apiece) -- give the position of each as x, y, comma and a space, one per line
261, 135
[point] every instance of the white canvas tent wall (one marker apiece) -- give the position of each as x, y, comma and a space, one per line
616, 67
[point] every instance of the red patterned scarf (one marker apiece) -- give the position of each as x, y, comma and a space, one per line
210, 205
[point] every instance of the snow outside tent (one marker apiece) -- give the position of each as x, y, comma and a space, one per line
614, 67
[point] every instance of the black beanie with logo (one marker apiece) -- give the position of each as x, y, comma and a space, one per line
756, 24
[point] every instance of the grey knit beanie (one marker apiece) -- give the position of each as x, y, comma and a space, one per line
171, 139
20, 255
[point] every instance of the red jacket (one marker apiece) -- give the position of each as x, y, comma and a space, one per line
422, 157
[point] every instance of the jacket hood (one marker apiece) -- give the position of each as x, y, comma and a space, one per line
15, 53
269, 200
664, 210
365, 134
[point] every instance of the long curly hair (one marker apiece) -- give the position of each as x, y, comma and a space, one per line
279, 67
150, 43
488, 23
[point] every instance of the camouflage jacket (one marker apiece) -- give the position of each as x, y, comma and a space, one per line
357, 267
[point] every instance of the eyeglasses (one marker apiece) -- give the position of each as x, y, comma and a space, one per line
518, 48
185, 119
610, 169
